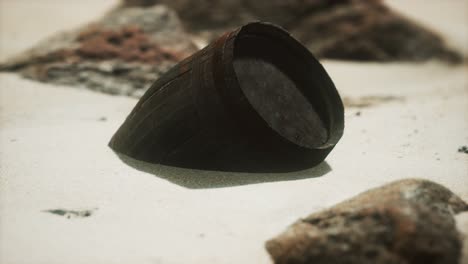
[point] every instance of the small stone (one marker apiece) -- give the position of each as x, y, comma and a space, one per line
71, 213
408, 221
463, 149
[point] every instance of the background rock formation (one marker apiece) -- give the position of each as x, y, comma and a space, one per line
408, 221
341, 29
123, 53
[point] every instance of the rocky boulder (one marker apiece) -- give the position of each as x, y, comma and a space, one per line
405, 222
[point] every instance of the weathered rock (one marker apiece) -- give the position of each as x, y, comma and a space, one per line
123, 53
342, 29
408, 221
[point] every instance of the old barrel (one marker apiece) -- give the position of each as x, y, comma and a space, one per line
255, 100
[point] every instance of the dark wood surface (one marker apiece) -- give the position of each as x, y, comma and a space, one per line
254, 100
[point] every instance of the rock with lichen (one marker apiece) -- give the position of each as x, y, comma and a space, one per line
130, 47
123, 53
408, 221
364, 30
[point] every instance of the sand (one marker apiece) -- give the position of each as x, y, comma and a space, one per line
54, 155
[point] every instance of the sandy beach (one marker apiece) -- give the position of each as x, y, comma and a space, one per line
54, 155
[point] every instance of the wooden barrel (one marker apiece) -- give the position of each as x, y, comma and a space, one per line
255, 100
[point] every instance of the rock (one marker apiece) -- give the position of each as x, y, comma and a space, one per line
463, 149
408, 221
123, 53
343, 29
72, 213
130, 47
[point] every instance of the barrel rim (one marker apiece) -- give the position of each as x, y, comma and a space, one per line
328, 92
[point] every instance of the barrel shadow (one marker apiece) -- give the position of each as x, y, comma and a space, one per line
206, 179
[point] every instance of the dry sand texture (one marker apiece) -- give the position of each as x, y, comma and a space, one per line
409, 121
